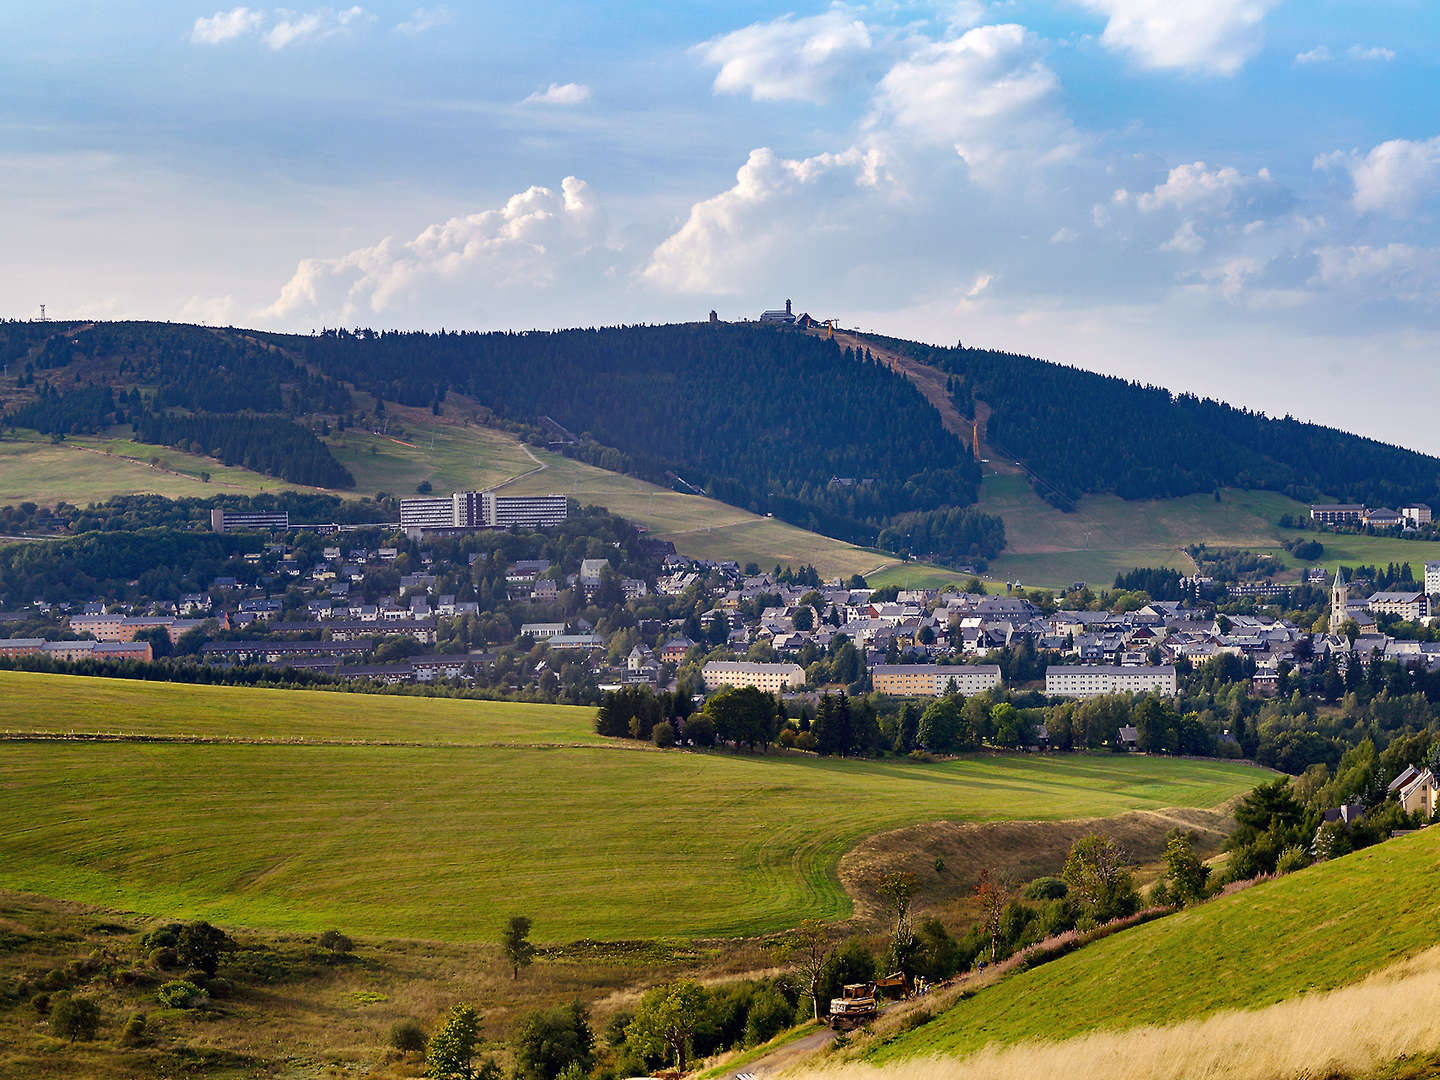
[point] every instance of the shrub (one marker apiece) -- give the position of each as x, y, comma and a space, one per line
663, 733
1292, 858
74, 1018
918, 1018
700, 730
133, 1032
41, 1003
1046, 888
180, 994
334, 941
219, 988
202, 945
164, 958
163, 937
408, 1037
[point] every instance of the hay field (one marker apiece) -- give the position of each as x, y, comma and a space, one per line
608, 841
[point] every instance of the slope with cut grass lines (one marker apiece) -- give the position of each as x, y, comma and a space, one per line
499, 808
1314, 930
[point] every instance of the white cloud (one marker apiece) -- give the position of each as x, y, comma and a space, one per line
527, 244
1213, 37
789, 59
560, 94
1402, 271
982, 282
423, 19
1186, 240
987, 93
1370, 52
727, 235
1393, 177
1196, 186
217, 310
286, 27
291, 27
1318, 55
1064, 235
226, 26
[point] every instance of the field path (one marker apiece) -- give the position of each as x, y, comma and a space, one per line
781, 1058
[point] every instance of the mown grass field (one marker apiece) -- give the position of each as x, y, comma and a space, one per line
608, 841
1107, 535
1314, 930
86, 468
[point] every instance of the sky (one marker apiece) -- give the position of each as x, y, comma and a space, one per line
1236, 198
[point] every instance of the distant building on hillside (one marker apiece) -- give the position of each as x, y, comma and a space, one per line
785, 318
1335, 513
1432, 578
1415, 516
1084, 681
768, 677
934, 680
467, 510
222, 520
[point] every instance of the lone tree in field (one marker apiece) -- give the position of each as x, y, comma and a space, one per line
810, 950
201, 946
515, 943
898, 890
74, 1018
993, 893
1185, 874
1098, 874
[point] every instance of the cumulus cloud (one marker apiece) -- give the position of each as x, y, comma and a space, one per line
226, 26
987, 93
1186, 240
1393, 177
723, 237
789, 58
1212, 37
560, 94
1370, 53
208, 309
527, 244
1318, 55
423, 19
1197, 187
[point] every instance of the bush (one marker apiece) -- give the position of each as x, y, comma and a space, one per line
180, 994
74, 1018
41, 1003
164, 958
408, 1037
663, 733
133, 1033
1291, 859
700, 730
334, 941
219, 988
1046, 888
163, 937
202, 945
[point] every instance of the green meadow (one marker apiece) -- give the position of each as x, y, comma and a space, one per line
505, 810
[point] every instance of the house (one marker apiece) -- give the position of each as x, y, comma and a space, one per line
542, 631
1349, 814
1128, 737
1418, 796
674, 650
1382, 518
590, 572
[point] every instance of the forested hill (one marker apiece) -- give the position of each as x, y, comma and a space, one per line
772, 420
1086, 433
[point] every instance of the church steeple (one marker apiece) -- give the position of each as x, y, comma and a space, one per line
1339, 601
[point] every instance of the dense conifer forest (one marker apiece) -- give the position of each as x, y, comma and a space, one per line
1085, 433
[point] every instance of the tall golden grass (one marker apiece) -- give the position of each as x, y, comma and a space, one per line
1342, 1033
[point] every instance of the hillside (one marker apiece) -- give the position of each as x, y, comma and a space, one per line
861, 439
403, 818
1310, 931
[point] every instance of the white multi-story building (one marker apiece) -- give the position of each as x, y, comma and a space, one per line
934, 680
427, 513
526, 511
1432, 578
771, 678
1415, 515
483, 509
1093, 680
1411, 606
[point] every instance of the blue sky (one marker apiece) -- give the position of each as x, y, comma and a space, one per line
1235, 197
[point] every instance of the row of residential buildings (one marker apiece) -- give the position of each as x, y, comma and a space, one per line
1377, 517
464, 511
